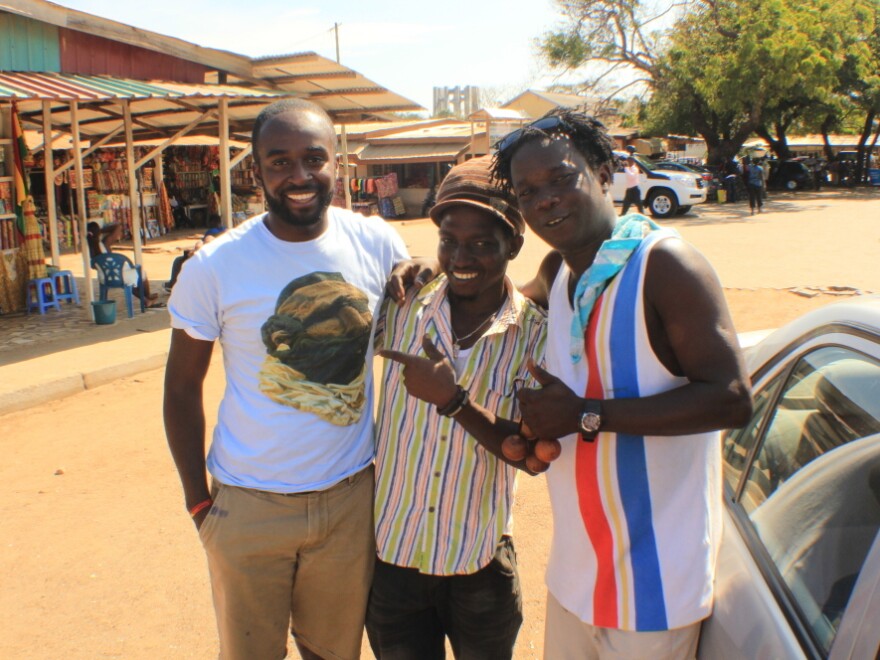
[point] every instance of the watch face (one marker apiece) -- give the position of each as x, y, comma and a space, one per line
590, 422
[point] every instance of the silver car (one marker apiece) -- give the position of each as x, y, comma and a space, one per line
799, 566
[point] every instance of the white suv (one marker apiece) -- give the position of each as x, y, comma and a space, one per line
665, 193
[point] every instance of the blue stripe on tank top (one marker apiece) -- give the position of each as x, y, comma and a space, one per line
632, 472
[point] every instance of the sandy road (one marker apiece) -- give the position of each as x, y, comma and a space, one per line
98, 557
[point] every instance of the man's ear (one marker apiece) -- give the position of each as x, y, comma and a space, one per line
605, 176
516, 244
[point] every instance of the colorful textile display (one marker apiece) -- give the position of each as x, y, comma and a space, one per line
33, 241
13, 280
166, 215
20, 181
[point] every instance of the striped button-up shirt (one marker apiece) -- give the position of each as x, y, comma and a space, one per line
442, 501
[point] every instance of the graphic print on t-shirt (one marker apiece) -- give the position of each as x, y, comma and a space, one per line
317, 342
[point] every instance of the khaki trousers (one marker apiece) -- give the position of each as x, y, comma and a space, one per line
302, 561
568, 638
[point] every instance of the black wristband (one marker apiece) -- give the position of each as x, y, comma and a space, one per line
454, 407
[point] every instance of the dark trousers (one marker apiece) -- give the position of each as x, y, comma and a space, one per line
755, 196
410, 613
632, 196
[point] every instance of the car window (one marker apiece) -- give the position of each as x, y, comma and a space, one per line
813, 488
644, 162
738, 444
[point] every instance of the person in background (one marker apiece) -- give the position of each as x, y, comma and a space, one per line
446, 563
731, 180
643, 367
178, 262
754, 175
632, 195
101, 240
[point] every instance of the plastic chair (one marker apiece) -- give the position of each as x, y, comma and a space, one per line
41, 295
111, 266
65, 286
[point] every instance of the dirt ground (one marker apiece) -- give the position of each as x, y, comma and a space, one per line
98, 556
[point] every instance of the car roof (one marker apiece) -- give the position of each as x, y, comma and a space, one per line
862, 313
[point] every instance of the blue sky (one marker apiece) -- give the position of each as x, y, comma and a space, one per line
408, 47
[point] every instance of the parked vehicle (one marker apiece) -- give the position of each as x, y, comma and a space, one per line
799, 565
665, 193
712, 182
789, 175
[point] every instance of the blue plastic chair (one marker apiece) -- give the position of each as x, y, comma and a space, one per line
111, 266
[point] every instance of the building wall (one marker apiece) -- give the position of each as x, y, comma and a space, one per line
28, 45
91, 55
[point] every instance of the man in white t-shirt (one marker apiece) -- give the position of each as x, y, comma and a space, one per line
290, 295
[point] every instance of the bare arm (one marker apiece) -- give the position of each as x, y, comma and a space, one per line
692, 335
188, 361
538, 289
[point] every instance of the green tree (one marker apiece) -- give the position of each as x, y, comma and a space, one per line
721, 68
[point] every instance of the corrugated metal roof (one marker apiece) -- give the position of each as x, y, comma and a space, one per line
457, 132
336, 88
497, 113
158, 108
411, 152
69, 87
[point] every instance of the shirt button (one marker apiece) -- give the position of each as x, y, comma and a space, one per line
430, 509
443, 438
437, 474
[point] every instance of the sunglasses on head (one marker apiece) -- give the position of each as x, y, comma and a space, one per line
545, 124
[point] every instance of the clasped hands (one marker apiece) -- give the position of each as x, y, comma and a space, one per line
548, 412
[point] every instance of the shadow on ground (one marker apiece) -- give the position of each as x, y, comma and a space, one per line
777, 202
26, 336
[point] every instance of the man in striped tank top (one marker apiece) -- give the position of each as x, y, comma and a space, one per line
643, 368
446, 565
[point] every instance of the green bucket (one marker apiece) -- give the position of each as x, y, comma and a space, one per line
105, 311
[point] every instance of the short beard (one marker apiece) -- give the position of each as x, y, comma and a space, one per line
279, 209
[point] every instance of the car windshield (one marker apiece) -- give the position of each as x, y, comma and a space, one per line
645, 163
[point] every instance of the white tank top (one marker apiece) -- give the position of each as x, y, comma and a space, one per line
636, 518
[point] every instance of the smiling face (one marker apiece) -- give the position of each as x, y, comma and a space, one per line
562, 199
473, 252
296, 165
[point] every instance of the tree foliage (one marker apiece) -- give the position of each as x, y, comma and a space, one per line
724, 68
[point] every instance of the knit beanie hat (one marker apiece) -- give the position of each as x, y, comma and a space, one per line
470, 183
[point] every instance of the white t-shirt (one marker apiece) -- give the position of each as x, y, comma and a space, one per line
632, 175
295, 321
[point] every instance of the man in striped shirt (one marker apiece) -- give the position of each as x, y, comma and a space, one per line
446, 564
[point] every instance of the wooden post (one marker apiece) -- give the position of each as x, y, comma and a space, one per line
49, 173
81, 206
225, 175
344, 135
132, 183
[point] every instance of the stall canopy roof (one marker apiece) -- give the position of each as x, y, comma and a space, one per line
158, 109
410, 152
342, 92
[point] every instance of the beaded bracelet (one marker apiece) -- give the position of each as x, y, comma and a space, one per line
459, 401
204, 504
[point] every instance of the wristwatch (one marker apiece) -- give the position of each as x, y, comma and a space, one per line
591, 420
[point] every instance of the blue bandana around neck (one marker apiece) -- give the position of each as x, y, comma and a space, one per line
627, 235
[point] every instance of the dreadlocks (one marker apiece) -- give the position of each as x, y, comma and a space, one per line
588, 134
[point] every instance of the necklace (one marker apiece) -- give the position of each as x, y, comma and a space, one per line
458, 341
